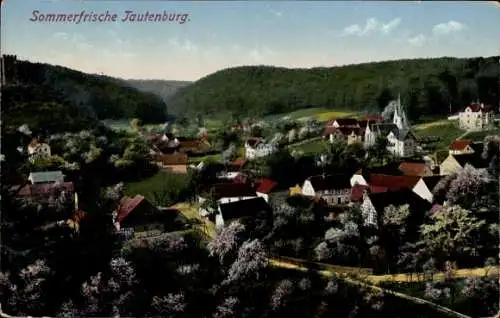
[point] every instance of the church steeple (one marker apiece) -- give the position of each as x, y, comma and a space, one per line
400, 119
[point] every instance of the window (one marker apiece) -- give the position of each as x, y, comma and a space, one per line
339, 200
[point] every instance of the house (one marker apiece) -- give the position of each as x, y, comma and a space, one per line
47, 193
45, 177
37, 149
264, 187
343, 122
349, 134
176, 162
453, 163
223, 193
476, 117
358, 191
460, 147
296, 190
374, 204
401, 140
241, 210
415, 169
334, 189
136, 215
395, 183
256, 147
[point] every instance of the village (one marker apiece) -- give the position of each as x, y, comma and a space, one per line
232, 190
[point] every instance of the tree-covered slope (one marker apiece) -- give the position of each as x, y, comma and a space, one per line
162, 88
427, 86
97, 96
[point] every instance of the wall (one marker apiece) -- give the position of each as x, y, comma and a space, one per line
448, 166
307, 189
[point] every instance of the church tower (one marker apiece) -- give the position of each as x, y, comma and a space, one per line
400, 119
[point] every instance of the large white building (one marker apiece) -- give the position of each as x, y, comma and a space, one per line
402, 142
258, 148
476, 117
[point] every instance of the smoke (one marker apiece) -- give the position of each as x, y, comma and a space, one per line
389, 110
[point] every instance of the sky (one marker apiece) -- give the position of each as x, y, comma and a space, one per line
223, 34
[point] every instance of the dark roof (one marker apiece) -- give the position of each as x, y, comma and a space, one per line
393, 182
475, 107
478, 147
473, 159
432, 181
254, 141
460, 144
385, 129
342, 130
358, 190
329, 182
346, 121
373, 118
229, 190
397, 198
243, 208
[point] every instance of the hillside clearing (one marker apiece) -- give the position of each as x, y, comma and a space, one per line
190, 211
312, 146
446, 130
480, 135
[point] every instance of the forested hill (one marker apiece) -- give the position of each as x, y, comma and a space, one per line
162, 88
427, 86
96, 96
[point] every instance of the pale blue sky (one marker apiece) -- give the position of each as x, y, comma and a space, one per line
227, 34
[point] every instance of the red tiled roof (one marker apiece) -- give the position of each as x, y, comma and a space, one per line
476, 107
127, 205
239, 162
393, 182
266, 185
358, 190
460, 144
415, 169
44, 189
346, 122
172, 159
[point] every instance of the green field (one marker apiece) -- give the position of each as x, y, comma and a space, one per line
315, 146
445, 129
322, 114
479, 135
123, 124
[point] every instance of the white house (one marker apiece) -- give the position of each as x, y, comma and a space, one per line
241, 210
46, 177
476, 117
37, 149
258, 148
334, 189
401, 141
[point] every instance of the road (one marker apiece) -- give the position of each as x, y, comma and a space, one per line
445, 311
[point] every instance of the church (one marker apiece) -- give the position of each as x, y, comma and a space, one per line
402, 141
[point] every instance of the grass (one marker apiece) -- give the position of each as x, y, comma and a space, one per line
323, 114
124, 124
314, 146
190, 212
446, 130
211, 158
479, 135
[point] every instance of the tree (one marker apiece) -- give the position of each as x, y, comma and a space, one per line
227, 241
249, 263
136, 124
468, 187
452, 232
378, 153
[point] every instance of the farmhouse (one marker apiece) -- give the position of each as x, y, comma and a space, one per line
177, 162
240, 210
222, 193
349, 134
334, 189
453, 163
138, 215
374, 204
476, 117
343, 122
46, 192
256, 147
265, 187
461, 147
